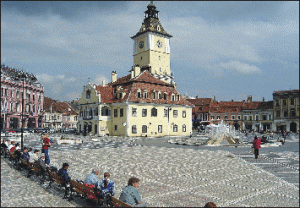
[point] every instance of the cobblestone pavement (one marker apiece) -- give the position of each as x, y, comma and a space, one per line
180, 176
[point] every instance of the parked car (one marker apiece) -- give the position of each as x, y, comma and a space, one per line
10, 131
49, 130
40, 130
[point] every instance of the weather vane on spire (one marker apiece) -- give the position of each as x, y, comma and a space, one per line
151, 2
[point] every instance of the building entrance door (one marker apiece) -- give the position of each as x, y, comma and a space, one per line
293, 127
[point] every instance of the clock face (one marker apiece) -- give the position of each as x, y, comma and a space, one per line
141, 44
159, 44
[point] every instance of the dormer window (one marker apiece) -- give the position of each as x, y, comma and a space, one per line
88, 94
178, 98
145, 94
165, 96
153, 95
138, 93
158, 28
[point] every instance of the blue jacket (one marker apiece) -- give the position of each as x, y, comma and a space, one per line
62, 172
25, 156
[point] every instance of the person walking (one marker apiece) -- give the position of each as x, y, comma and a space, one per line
46, 145
256, 146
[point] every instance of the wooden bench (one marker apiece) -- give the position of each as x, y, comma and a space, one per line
86, 191
118, 203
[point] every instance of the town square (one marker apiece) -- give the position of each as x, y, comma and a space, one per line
209, 120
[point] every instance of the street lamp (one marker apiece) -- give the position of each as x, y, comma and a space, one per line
22, 76
169, 108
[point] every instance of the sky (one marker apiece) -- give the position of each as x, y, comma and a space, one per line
225, 49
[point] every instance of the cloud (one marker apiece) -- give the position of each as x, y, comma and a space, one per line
239, 67
64, 87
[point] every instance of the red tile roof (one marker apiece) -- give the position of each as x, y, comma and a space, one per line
200, 101
58, 107
144, 81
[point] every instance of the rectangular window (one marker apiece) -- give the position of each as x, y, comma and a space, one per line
33, 97
184, 114
257, 117
232, 117
116, 127
175, 113
134, 112
270, 117
134, 129
264, 117
292, 101
144, 112
285, 113
250, 118
96, 129
218, 117
121, 112
159, 128
284, 102
226, 117
144, 129
165, 113
212, 117
277, 113
183, 128
175, 128
115, 112
239, 117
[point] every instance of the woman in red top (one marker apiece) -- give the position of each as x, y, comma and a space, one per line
256, 146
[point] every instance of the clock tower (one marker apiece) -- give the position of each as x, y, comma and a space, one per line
151, 46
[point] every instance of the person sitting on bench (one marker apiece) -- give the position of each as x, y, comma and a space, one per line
130, 193
25, 155
107, 186
92, 178
63, 172
34, 157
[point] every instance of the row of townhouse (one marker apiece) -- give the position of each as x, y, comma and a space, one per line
59, 115
14, 84
280, 114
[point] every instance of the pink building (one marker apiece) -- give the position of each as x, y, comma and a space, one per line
11, 100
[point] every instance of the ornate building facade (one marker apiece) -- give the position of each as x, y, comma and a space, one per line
11, 100
286, 110
143, 103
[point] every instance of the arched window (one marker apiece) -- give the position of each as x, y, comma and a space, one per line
88, 94
153, 112
145, 94
138, 93
183, 128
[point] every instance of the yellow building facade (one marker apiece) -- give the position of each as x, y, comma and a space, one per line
143, 103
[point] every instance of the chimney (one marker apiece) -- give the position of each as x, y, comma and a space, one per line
113, 76
196, 96
215, 98
132, 73
50, 108
103, 83
263, 99
137, 71
249, 98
